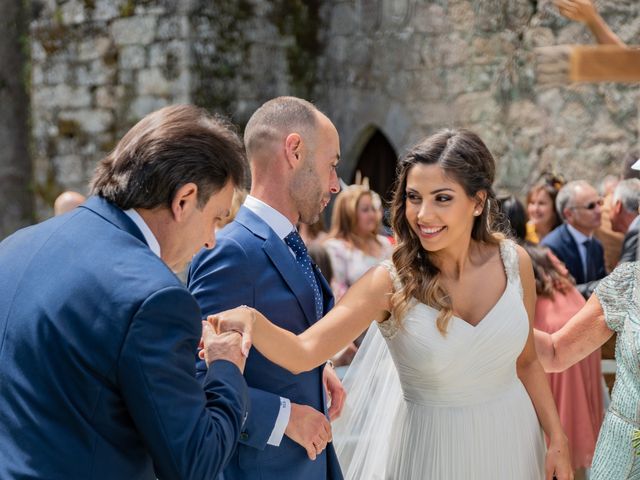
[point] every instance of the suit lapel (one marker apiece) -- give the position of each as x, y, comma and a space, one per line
283, 261
574, 251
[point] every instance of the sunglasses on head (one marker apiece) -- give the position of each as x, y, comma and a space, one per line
590, 205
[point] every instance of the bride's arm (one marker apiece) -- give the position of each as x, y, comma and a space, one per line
367, 300
535, 381
581, 335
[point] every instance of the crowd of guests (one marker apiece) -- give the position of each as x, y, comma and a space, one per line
559, 227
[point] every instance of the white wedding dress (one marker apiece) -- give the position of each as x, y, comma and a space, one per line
442, 407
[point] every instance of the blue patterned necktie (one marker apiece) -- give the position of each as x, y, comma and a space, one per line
295, 243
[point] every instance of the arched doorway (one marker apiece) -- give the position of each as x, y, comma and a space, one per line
377, 161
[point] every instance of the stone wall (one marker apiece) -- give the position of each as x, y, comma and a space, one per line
405, 67
410, 67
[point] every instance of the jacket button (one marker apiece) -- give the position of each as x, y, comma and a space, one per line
244, 436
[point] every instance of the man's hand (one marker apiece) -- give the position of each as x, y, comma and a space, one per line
226, 346
579, 10
240, 320
335, 392
309, 428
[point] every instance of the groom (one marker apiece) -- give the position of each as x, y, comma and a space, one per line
261, 261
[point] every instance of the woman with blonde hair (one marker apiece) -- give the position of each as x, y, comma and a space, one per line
541, 209
354, 244
447, 384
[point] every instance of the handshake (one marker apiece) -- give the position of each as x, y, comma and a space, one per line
227, 336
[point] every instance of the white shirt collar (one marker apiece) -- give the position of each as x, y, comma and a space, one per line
146, 231
276, 220
578, 236
635, 223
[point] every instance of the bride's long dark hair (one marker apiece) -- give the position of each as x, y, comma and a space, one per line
465, 158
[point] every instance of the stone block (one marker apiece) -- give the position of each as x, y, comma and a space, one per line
343, 19
462, 17
152, 82
105, 10
397, 121
72, 12
93, 48
62, 96
539, 37
143, 105
90, 121
132, 57
430, 19
524, 113
37, 75
455, 51
170, 28
108, 97
137, 30
94, 73
605, 131
476, 107
68, 168
38, 53
55, 73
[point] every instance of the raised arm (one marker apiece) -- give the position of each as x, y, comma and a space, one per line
580, 336
367, 300
584, 11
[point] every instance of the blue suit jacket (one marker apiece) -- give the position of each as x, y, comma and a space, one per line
561, 242
251, 265
97, 338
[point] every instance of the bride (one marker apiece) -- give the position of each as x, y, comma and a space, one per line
463, 395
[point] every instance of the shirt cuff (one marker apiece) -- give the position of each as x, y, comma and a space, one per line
281, 423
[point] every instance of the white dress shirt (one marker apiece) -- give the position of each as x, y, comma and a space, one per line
152, 241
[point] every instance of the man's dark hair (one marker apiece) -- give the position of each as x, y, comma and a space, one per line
165, 150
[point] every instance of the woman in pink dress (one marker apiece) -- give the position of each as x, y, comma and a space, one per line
577, 391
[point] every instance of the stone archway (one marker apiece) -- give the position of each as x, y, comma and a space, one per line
377, 161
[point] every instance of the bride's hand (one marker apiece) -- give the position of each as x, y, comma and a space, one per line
240, 319
558, 461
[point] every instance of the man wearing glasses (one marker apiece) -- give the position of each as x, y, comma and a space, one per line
579, 205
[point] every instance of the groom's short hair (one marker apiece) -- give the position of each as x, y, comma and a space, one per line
277, 118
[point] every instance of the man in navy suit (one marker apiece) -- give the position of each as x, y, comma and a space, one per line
579, 205
97, 334
260, 261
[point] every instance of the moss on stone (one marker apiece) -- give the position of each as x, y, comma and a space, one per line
52, 38
49, 189
68, 128
301, 20
220, 51
128, 8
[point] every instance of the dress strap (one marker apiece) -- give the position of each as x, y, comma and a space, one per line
389, 327
511, 263
388, 264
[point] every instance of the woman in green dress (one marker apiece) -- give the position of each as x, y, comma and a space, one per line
614, 307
